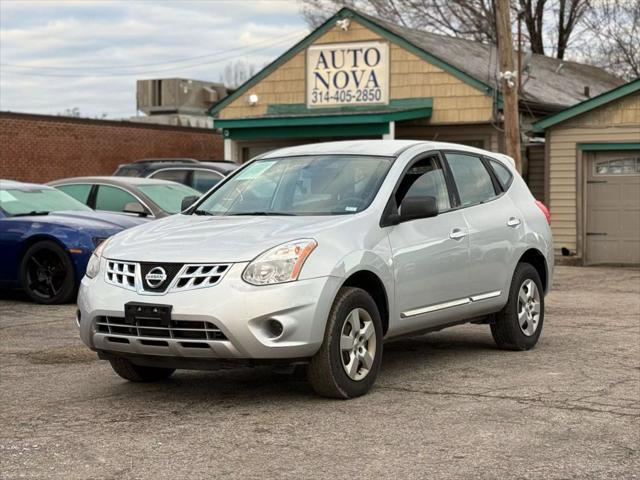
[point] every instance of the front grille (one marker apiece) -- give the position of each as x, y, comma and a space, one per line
170, 269
179, 277
197, 276
122, 274
146, 328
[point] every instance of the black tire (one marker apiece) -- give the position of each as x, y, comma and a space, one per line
47, 274
506, 329
137, 373
325, 371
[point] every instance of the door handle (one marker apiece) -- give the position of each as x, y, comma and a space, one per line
457, 234
513, 222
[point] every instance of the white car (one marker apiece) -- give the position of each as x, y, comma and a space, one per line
316, 254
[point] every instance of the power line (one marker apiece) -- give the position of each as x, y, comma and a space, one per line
242, 51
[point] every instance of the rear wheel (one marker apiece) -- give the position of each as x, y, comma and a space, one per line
46, 273
519, 324
348, 361
138, 373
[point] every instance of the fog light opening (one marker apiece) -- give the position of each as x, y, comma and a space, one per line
274, 328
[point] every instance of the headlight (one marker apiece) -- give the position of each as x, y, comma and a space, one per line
280, 264
93, 267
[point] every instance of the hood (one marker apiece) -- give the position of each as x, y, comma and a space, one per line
199, 239
95, 224
89, 219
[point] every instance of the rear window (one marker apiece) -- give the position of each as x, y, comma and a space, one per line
127, 172
502, 172
472, 178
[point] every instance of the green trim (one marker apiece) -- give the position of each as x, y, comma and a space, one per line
312, 131
339, 119
326, 26
595, 147
588, 105
394, 105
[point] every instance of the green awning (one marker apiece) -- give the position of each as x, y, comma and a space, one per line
295, 120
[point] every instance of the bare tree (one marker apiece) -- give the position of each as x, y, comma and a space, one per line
614, 26
548, 24
236, 73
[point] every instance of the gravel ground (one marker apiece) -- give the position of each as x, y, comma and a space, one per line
447, 404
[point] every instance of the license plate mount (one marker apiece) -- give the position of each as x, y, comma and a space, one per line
134, 311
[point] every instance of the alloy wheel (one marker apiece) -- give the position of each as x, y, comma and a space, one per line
358, 344
528, 307
46, 274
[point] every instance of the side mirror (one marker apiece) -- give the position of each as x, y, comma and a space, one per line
135, 208
413, 208
187, 202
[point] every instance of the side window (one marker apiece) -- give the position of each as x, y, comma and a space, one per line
203, 180
79, 192
425, 178
113, 199
471, 177
175, 175
502, 172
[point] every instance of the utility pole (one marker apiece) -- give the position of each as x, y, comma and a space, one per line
509, 82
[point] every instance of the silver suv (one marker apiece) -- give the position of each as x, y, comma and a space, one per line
316, 254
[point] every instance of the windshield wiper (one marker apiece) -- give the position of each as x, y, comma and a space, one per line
261, 213
201, 212
32, 213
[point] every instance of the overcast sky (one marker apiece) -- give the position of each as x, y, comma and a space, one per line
57, 55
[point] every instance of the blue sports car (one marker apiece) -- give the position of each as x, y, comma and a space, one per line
46, 239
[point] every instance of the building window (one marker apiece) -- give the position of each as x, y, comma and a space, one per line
618, 166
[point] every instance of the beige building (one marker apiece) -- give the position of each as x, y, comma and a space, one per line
357, 76
592, 177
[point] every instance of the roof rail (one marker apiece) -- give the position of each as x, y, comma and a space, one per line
185, 160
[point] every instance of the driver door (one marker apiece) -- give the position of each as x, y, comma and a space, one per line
430, 255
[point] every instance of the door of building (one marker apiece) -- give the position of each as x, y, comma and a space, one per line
612, 230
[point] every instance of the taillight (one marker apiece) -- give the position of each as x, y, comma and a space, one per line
545, 210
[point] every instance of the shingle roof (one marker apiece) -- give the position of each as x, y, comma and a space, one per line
551, 82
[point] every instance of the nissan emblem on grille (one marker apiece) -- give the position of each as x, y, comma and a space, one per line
156, 277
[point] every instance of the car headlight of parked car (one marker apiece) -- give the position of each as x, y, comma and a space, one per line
281, 264
93, 267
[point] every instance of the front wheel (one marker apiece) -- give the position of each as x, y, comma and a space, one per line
46, 273
347, 364
519, 324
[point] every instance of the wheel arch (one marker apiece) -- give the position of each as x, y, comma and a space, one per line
537, 260
374, 286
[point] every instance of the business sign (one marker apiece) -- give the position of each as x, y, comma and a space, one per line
347, 74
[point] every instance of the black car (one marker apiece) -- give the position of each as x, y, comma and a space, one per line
193, 173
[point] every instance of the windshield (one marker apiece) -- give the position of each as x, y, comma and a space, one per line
309, 185
168, 197
37, 201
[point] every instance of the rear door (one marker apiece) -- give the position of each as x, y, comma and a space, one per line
494, 222
430, 255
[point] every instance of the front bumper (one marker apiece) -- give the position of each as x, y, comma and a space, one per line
241, 312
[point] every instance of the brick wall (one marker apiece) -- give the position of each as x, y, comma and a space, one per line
40, 148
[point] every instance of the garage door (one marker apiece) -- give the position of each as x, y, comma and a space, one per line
613, 208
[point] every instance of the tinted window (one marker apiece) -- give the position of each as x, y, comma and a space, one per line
113, 199
177, 175
307, 185
79, 192
425, 178
16, 201
203, 180
127, 172
168, 197
502, 172
471, 177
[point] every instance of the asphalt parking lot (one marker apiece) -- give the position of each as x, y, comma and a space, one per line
447, 404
